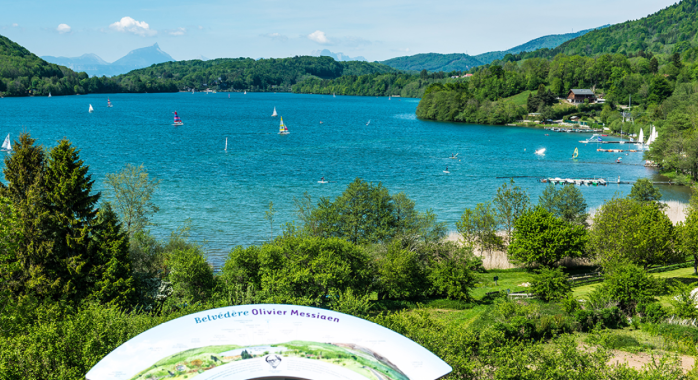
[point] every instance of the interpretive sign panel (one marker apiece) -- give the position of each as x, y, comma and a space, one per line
269, 341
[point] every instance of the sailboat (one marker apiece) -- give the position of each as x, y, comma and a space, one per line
7, 145
575, 154
226, 144
49, 94
283, 129
274, 113
333, 95
641, 139
388, 97
653, 136
244, 93
91, 109
228, 96
177, 120
369, 122
108, 103
540, 152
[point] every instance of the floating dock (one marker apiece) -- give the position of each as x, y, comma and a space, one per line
593, 181
620, 150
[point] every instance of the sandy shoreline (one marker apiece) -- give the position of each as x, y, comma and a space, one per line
676, 211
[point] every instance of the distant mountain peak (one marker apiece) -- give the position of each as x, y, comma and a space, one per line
337, 56
94, 65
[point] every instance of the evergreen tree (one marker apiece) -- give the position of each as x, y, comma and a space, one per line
71, 209
23, 272
111, 263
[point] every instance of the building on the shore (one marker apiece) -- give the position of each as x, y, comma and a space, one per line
577, 95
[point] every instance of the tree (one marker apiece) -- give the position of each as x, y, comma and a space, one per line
629, 285
659, 90
110, 248
654, 65
688, 232
551, 284
510, 202
69, 269
401, 274
131, 191
24, 191
644, 191
366, 213
567, 203
451, 276
541, 238
627, 231
479, 226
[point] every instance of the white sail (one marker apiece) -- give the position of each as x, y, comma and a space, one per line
641, 137
274, 113
91, 109
650, 139
226, 144
7, 145
49, 94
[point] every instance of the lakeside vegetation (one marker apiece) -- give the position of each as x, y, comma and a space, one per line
81, 273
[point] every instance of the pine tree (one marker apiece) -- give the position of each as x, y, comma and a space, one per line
22, 269
111, 263
71, 208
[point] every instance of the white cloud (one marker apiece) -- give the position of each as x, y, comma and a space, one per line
276, 37
178, 32
319, 37
63, 28
15, 25
129, 25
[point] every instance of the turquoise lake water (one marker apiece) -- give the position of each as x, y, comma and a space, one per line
225, 194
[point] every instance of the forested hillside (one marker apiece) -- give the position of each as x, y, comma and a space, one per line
228, 74
405, 85
434, 62
668, 31
23, 73
464, 62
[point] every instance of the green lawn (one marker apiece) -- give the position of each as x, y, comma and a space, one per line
508, 279
687, 273
519, 99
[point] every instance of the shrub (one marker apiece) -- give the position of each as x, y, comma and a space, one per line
570, 304
541, 238
629, 285
587, 320
683, 302
551, 284
651, 312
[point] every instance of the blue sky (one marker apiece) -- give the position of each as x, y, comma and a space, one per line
377, 29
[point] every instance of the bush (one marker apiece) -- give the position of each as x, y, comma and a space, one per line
629, 285
551, 284
683, 302
541, 238
587, 320
651, 312
570, 304
451, 276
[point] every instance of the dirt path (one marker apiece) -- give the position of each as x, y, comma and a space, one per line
638, 361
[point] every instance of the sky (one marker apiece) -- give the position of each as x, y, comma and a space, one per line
374, 29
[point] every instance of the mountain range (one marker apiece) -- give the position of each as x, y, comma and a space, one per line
339, 57
464, 62
93, 65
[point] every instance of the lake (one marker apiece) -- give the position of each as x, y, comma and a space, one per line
225, 194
